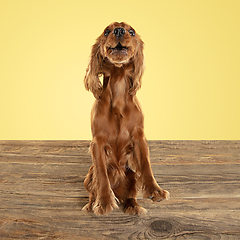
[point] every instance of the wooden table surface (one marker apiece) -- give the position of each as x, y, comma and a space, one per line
42, 193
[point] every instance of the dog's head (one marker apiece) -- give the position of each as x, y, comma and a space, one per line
119, 44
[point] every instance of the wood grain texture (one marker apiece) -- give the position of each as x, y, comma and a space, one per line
42, 193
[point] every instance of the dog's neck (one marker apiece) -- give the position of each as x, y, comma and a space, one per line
119, 89
117, 85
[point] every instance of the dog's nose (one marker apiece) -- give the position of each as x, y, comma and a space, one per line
119, 32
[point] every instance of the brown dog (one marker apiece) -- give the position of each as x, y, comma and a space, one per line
119, 148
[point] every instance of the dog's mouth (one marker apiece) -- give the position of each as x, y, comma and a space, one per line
119, 48
119, 54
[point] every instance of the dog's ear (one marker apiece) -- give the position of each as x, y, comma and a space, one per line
94, 69
138, 68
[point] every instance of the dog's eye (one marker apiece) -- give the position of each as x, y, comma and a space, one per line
131, 32
106, 33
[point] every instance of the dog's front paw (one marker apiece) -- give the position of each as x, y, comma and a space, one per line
159, 195
88, 207
105, 204
155, 193
133, 208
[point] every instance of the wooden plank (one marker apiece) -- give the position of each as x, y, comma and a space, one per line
42, 193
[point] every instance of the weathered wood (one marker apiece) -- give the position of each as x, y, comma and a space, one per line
42, 193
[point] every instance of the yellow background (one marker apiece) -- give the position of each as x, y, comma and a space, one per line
191, 85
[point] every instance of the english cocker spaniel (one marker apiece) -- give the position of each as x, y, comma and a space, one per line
119, 149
